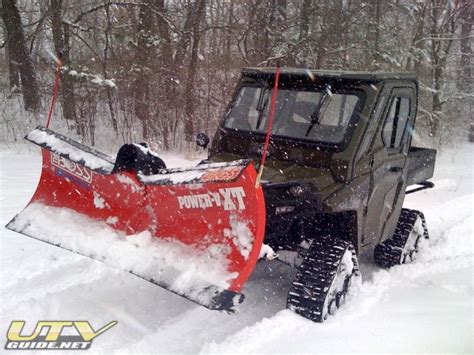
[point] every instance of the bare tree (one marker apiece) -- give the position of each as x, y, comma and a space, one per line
442, 31
465, 67
18, 53
62, 48
373, 34
143, 58
197, 16
13, 72
161, 70
105, 68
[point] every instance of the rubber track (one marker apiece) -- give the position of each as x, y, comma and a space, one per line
315, 276
389, 252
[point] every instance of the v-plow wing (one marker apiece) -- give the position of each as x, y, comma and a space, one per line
194, 231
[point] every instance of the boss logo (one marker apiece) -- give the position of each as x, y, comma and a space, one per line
71, 167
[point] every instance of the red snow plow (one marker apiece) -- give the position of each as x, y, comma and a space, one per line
194, 231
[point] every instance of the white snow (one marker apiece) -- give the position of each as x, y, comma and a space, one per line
112, 220
267, 252
146, 150
95, 79
149, 257
99, 202
241, 236
425, 307
127, 180
180, 176
61, 147
175, 178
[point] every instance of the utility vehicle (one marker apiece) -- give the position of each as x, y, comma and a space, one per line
339, 163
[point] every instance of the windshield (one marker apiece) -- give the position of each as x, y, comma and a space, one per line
320, 114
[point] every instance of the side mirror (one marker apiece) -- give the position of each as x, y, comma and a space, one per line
202, 140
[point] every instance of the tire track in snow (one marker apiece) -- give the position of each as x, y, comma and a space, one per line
184, 333
51, 263
188, 331
272, 329
50, 282
439, 255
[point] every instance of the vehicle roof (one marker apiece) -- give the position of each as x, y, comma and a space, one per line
330, 74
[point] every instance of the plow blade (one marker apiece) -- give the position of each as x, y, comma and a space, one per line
194, 231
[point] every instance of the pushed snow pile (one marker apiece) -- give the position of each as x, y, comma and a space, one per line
168, 263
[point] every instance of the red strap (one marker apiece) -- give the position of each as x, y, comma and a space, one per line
271, 115
55, 91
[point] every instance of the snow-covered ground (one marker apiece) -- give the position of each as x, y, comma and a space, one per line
419, 308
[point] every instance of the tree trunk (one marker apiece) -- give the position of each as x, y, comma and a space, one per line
189, 92
168, 74
304, 25
18, 53
373, 35
442, 25
143, 57
62, 48
13, 73
108, 89
413, 61
13, 69
465, 72
436, 69
228, 41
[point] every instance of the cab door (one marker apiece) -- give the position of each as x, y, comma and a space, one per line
389, 157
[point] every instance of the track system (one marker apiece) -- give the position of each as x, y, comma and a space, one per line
329, 269
405, 243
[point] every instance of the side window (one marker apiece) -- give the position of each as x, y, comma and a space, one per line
396, 122
376, 114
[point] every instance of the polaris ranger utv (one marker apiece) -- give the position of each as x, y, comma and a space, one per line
339, 164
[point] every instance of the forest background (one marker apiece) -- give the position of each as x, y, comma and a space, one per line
163, 71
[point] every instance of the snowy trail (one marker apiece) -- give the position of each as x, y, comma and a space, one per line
197, 326
49, 282
400, 310
423, 307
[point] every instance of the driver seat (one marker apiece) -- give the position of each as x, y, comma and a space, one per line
137, 158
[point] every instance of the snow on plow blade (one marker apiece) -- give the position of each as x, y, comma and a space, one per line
194, 231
